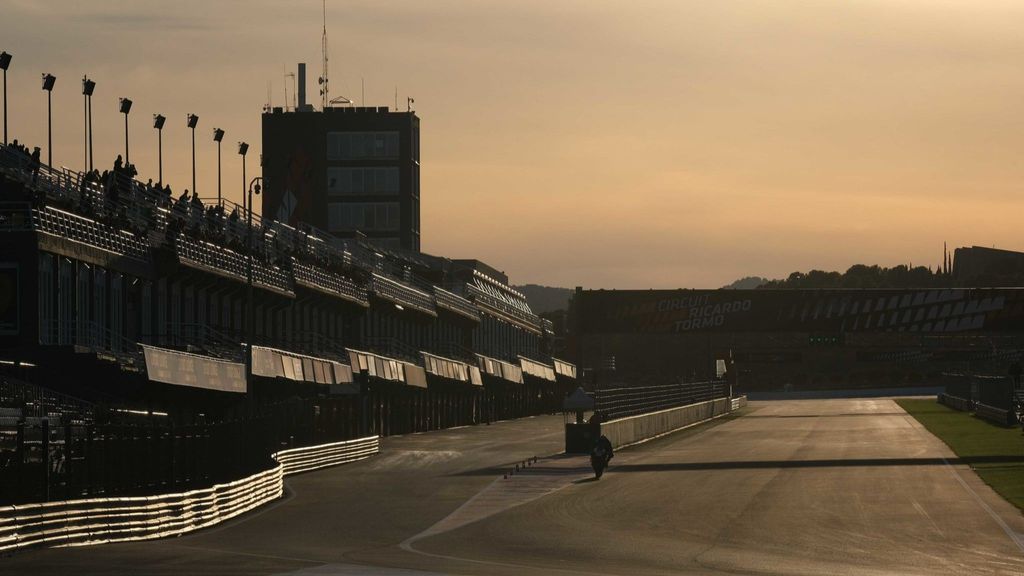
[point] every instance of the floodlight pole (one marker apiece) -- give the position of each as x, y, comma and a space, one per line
193, 121
5, 61
218, 136
5, 106
193, 160
89, 113
249, 323
88, 86
85, 119
158, 123
127, 158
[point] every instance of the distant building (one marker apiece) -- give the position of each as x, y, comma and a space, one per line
989, 265
351, 171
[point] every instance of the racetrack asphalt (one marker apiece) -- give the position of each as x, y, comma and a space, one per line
839, 486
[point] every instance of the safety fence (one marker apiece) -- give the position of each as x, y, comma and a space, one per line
104, 520
626, 401
62, 456
995, 398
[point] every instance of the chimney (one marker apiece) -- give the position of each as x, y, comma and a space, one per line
302, 86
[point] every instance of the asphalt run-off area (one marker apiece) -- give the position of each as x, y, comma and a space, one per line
838, 486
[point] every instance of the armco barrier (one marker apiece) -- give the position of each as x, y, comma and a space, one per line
633, 429
102, 520
956, 403
739, 402
994, 414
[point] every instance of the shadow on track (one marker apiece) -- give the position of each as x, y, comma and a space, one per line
846, 463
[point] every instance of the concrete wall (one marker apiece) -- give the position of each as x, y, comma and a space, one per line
626, 431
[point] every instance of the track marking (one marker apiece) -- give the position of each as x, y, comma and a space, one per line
1014, 537
252, 554
538, 485
1009, 531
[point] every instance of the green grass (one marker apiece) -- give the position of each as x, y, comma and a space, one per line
977, 442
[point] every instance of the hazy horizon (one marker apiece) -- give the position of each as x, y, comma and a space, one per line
660, 144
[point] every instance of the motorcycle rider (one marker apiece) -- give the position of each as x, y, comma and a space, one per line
601, 455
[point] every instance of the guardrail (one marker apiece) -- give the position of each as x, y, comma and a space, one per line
995, 415
956, 403
105, 520
299, 460
635, 429
739, 402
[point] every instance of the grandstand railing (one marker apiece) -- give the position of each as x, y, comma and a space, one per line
210, 256
632, 400
326, 281
272, 277
20, 217
399, 293
481, 297
455, 303
86, 231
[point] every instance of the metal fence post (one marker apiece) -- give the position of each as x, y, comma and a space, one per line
20, 457
46, 458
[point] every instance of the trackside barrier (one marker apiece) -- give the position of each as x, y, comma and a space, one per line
298, 460
739, 402
994, 414
124, 519
956, 403
633, 429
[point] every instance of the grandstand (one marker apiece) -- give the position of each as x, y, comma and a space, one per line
791, 340
120, 294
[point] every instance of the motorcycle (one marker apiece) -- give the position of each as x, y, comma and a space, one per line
599, 461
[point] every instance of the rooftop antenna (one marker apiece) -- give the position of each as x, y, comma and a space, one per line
270, 105
294, 91
324, 87
396, 97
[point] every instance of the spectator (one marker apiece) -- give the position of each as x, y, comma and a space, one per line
35, 163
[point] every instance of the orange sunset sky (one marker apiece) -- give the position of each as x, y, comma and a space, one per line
596, 143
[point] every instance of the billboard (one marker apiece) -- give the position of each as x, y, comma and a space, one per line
182, 369
819, 311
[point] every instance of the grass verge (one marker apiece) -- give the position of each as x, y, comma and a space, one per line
994, 452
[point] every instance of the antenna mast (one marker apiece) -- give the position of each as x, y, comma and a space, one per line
324, 89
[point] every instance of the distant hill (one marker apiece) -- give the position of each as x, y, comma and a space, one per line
748, 283
546, 298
